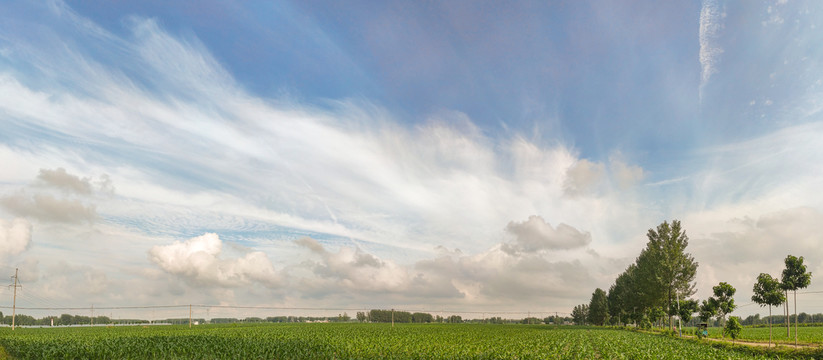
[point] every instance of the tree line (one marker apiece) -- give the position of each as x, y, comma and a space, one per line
378, 316
659, 285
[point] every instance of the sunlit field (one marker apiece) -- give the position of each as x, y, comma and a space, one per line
805, 334
403, 341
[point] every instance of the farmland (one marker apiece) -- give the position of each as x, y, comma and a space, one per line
403, 341
805, 334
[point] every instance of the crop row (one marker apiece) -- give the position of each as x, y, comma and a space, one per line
297, 341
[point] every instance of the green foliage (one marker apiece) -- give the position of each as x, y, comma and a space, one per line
386, 316
795, 275
666, 271
354, 341
723, 300
684, 309
733, 327
708, 310
531, 321
420, 317
767, 291
623, 304
663, 273
598, 308
580, 314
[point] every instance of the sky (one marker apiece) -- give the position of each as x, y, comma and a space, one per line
436, 156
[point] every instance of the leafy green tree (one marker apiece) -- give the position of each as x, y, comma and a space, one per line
580, 313
598, 308
795, 277
767, 291
656, 314
708, 309
623, 302
684, 309
361, 316
733, 328
666, 270
420, 317
723, 300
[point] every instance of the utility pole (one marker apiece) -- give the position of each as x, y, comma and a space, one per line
189, 316
14, 302
92, 314
392, 317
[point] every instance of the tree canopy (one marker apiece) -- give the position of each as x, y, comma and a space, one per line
767, 291
598, 308
666, 271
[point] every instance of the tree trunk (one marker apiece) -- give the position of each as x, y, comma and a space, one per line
770, 326
786, 311
795, 318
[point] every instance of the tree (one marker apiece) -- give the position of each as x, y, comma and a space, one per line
708, 309
598, 308
656, 314
666, 270
420, 317
768, 292
361, 316
723, 300
685, 309
580, 313
795, 277
732, 328
623, 300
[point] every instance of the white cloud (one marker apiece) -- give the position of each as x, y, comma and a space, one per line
353, 272
583, 177
46, 207
711, 17
536, 234
15, 236
60, 179
626, 175
199, 260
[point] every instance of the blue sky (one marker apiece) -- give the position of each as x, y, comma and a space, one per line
459, 155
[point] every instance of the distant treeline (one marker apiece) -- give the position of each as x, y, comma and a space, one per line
376, 316
65, 319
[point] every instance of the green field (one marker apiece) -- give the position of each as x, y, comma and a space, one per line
404, 341
805, 334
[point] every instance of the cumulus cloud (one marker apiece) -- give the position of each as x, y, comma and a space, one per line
15, 236
536, 234
47, 207
626, 175
356, 272
583, 177
58, 196
496, 276
60, 179
198, 260
499, 277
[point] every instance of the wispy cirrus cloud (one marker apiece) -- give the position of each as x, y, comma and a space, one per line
711, 24
372, 196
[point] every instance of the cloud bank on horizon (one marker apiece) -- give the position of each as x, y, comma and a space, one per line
141, 157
